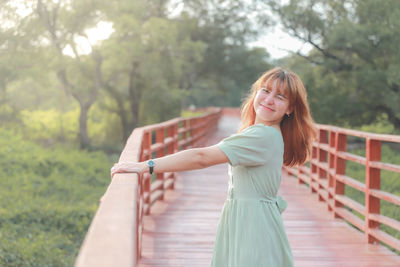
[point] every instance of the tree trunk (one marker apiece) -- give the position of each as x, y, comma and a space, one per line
50, 20
84, 140
134, 96
120, 110
126, 129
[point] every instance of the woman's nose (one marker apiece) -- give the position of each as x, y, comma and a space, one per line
269, 99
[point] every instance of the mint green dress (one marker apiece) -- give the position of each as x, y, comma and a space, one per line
251, 232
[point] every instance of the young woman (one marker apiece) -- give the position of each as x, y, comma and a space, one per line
276, 129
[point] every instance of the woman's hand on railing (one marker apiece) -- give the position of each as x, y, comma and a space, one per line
129, 167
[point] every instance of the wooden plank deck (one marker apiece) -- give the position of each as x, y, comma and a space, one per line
181, 229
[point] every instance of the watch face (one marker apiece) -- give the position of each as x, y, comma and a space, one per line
151, 163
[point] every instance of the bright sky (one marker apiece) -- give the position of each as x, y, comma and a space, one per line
275, 41
102, 31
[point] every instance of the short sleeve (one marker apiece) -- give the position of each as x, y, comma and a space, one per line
252, 147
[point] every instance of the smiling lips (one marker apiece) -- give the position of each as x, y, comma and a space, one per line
267, 108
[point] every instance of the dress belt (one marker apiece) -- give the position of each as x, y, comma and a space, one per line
278, 200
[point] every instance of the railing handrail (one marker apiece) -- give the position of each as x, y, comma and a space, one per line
362, 134
114, 236
327, 177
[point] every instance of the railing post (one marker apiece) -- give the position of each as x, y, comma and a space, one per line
192, 132
139, 219
160, 152
340, 168
322, 158
171, 134
198, 132
297, 174
175, 135
187, 132
201, 131
141, 189
146, 177
173, 146
372, 181
313, 167
193, 125
206, 121
183, 134
331, 180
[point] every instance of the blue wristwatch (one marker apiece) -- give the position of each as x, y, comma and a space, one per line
151, 165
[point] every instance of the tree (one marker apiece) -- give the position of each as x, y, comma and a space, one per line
155, 62
147, 63
356, 54
15, 60
80, 76
229, 66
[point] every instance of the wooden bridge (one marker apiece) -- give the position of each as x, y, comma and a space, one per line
172, 221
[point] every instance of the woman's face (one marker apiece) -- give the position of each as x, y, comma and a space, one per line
270, 105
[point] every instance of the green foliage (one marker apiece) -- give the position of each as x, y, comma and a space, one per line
104, 128
381, 126
352, 72
47, 200
48, 124
151, 66
52, 126
229, 67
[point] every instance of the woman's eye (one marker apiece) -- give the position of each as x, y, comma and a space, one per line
281, 97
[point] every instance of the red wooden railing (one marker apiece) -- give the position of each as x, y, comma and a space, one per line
327, 177
114, 236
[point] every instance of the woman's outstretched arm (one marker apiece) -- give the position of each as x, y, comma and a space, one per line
190, 159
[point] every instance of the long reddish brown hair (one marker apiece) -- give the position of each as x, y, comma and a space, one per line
298, 129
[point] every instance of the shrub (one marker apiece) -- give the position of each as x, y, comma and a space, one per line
47, 200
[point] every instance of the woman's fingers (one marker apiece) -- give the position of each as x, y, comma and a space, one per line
124, 167
114, 170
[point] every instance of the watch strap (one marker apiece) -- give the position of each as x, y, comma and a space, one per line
151, 165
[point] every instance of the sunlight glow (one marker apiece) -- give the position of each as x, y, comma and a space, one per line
95, 35
280, 44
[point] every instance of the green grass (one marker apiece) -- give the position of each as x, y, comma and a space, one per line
48, 197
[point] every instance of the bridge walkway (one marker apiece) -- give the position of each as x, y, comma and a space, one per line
181, 229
